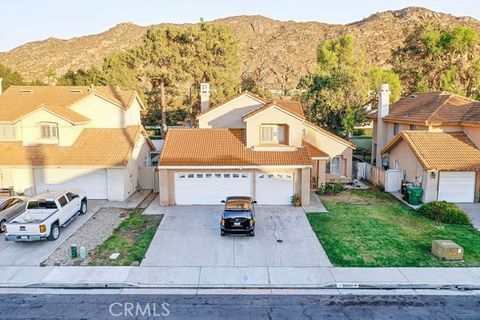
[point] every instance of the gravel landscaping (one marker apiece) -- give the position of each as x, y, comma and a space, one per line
92, 234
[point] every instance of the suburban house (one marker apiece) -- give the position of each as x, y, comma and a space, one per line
54, 137
252, 147
434, 139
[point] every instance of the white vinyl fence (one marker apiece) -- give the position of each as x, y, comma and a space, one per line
391, 180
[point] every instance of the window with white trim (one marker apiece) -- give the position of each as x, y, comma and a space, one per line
48, 131
273, 133
8, 132
333, 166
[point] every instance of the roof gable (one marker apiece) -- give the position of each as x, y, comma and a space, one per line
226, 102
294, 108
452, 151
19, 101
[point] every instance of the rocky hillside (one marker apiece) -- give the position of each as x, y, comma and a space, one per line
276, 53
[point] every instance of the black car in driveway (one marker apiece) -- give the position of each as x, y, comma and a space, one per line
238, 216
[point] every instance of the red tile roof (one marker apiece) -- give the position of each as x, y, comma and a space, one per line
443, 151
434, 108
18, 101
293, 107
94, 147
222, 147
313, 151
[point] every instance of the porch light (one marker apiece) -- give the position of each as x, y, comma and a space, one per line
433, 175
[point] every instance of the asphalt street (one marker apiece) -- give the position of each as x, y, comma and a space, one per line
142, 306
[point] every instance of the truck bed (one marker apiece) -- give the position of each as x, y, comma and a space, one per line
34, 216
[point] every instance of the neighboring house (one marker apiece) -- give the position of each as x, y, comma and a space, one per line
434, 138
249, 146
60, 137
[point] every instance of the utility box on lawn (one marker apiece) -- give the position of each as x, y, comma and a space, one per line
447, 250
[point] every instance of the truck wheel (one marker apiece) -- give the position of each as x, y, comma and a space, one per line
2, 225
83, 207
54, 232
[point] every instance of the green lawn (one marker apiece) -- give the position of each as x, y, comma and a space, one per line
366, 228
131, 239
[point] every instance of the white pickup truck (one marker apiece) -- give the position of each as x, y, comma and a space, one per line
45, 214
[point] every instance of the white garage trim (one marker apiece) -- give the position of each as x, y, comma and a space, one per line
210, 187
93, 181
457, 186
274, 188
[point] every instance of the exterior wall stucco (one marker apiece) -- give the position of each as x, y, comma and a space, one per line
230, 114
31, 132
473, 133
274, 116
333, 148
408, 162
104, 114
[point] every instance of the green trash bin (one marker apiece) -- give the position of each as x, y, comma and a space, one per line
414, 195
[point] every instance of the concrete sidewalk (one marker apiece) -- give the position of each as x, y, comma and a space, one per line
315, 204
239, 277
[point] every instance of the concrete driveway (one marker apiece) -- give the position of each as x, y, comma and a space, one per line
190, 236
34, 253
473, 210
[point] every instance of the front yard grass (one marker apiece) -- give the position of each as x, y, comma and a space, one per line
366, 228
131, 239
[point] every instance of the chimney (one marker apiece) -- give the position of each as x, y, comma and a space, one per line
204, 96
381, 134
1, 87
383, 101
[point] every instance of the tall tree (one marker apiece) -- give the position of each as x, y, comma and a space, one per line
434, 58
342, 85
10, 77
168, 67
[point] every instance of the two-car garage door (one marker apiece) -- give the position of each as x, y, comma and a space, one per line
457, 186
94, 182
213, 187
210, 187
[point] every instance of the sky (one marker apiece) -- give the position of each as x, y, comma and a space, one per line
31, 20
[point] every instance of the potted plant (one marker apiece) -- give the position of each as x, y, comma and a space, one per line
296, 200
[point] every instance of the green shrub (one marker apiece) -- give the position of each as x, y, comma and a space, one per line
329, 189
442, 211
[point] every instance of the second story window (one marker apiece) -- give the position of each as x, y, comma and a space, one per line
396, 129
273, 133
48, 131
8, 132
413, 127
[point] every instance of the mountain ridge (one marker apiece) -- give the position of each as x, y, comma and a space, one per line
275, 53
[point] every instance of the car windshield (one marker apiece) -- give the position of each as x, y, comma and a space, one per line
237, 205
236, 214
42, 204
5, 204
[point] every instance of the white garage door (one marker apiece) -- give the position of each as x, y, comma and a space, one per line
210, 187
457, 186
94, 182
274, 188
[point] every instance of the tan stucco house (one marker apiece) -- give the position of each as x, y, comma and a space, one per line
54, 137
253, 147
434, 139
